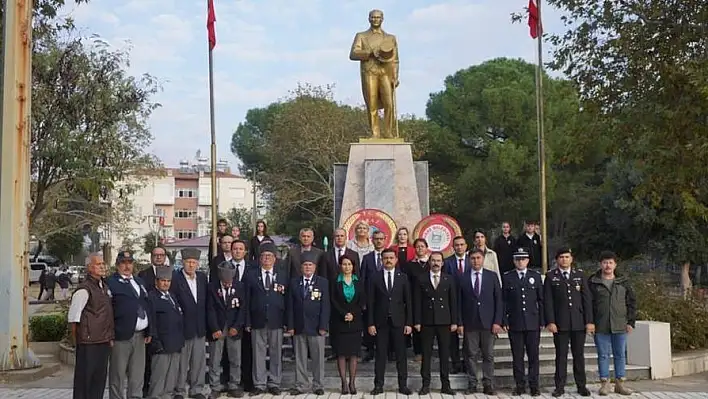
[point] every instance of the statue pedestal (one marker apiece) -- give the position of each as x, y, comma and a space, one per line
381, 174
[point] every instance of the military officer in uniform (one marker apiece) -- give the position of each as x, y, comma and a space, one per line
568, 311
523, 319
167, 332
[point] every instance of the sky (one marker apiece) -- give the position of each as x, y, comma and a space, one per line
266, 47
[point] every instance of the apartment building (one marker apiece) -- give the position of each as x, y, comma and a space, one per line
178, 204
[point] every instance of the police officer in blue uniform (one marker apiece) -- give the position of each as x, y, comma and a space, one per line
568, 311
523, 319
167, 332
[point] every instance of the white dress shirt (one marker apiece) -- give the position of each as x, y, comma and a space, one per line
474, 276
241, 267
192, 283
263, 276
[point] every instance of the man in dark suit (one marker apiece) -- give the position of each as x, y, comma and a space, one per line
307, 238
524, 319
167, 333
266, 290
329, 267
371, 265
225, 320
390, 318
221, 227
456, 265
158, 257
530, 240
481, 313
568, 310
307, 313
243, 267
414, 269
224, 255
189, 288
435, 316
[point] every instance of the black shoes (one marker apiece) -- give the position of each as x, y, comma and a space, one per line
318, 392
274, 391
376, 391
583, 391
405, 391
424, 390
235, 393
447, 390
488, 390
535, 392
518, 391
255, 392
557, 393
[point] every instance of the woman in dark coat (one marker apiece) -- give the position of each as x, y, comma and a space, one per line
346, 322
255, 244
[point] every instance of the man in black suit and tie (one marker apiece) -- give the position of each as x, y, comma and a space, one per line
524, 319
390, 318
307, 238
456, 265
329, 268
158, 257
242, 266
371, 265
481, 314
435, 316
531, 241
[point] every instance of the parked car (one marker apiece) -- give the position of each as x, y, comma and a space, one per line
36, 269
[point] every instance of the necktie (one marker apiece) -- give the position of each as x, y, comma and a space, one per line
476, 283
460, 266
141, 311
268, 281
390, 281
565, 275
237, 276
436, 281
225, 290
339, 254
378, 261
167, 294
521, 275
306, 287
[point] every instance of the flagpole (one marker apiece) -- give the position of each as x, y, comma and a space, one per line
541, 142
214, 207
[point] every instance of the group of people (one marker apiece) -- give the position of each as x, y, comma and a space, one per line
153, 328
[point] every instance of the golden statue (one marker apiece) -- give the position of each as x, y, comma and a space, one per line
377, 52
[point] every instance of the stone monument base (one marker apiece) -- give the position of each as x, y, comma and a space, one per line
381, 174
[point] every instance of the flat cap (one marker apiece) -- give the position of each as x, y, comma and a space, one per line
190, 253
226, 271
308, 256
268, 247
163, 273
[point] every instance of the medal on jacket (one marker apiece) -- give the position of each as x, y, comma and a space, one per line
577, 286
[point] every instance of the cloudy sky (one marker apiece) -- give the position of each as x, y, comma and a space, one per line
265, 47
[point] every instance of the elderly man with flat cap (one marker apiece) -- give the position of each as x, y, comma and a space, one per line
189, 287
167, 332
266, 289
308, 322
225, 321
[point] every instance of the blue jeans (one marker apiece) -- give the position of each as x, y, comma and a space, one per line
615, 344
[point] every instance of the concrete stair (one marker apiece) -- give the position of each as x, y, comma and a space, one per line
502, 360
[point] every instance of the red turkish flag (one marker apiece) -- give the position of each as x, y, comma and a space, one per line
535, 27
211, 19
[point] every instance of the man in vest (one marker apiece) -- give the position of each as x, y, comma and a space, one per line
91, 319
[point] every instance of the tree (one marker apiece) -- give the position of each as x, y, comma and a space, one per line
65, 245
641, 70
483, 150
241, 218
89, 130
150, 242
292, 146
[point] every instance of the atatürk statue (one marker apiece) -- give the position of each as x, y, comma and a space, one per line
377, 52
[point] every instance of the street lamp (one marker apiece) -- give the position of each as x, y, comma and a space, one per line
155, 223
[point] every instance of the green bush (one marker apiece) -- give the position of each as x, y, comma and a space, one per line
657, 301
48, 328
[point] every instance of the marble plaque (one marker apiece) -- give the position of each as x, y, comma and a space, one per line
379, 181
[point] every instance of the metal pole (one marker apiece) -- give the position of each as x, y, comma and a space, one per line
15, 186
254, 215
214, 207
541, 144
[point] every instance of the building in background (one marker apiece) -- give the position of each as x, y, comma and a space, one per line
177, 205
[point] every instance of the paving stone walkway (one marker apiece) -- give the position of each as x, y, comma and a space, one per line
58, 393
